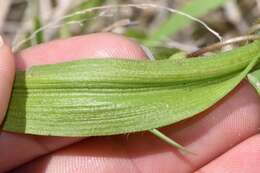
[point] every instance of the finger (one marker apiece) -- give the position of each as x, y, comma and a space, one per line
6, 76
17, 149
244, 157
99, 155
101, 45
209, 135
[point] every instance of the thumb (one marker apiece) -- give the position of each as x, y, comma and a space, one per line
7, 71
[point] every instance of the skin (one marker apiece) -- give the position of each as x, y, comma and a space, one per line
225, 137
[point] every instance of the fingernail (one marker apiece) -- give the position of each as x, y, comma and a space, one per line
1, 41
148, 52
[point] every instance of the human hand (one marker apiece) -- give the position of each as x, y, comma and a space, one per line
224, 137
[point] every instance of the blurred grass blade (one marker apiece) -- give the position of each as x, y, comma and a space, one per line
254, 79
39, 37
175, 23
65, 31
36, 20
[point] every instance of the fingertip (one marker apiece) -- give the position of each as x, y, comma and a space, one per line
7, 58
97, 45
7, 71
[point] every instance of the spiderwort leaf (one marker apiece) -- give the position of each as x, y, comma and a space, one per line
254, 79
96, 97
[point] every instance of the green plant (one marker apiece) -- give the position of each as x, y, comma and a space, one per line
111, 96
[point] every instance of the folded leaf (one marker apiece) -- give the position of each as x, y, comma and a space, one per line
111, 96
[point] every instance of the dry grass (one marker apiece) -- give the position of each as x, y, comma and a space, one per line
17, 19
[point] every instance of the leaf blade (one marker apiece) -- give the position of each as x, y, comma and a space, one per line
109, 103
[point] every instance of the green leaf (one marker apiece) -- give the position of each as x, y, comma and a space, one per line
136, 34
254, 79
175, 23
39, 37
161, 53
94, 97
